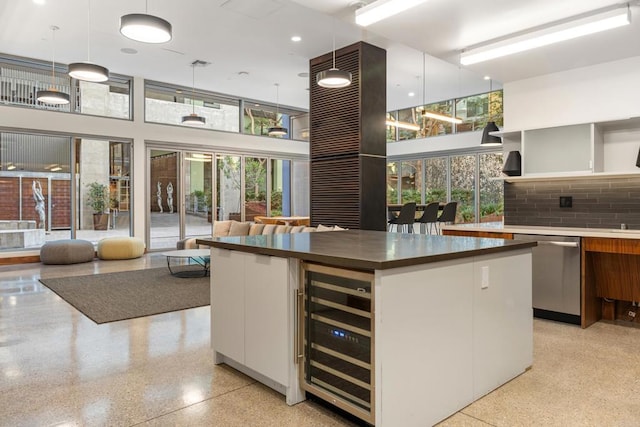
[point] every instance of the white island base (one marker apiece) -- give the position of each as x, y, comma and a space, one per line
445, 333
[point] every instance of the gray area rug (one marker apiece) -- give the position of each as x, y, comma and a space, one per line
124, 295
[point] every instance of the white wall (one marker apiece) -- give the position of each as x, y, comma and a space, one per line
597, 93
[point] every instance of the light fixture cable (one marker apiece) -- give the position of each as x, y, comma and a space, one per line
194, 119
333, 77
53, 96
88, 71
277, 130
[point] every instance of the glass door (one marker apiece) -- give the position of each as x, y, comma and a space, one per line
197, 194
228, 187
255, 187
164, 217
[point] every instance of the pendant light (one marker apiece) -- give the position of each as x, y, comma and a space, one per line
53, 96
488, 139
145, 28
277, 130
333, 78
193, 119
429, 114
88, 71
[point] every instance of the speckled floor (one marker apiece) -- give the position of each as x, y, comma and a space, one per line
59, 368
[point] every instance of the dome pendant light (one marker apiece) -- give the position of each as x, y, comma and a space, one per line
193, 119
88, 71
487, 139
333, 78
52, 96
145, 28
277, 130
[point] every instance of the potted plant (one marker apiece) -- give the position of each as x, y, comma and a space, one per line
98, 201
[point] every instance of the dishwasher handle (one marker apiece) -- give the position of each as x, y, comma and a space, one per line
563, 244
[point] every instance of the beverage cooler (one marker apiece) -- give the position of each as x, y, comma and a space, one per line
337, 336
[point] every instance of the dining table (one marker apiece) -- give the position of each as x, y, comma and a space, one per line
285, 220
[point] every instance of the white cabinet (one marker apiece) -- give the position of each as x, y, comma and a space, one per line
252, 314
580, 150
560, 149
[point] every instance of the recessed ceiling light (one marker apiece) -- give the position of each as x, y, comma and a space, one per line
411, 94
296, 38
128, 50
487, 77
304, 75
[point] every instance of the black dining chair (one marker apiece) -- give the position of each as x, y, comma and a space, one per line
429, 218
448, 215
405, 219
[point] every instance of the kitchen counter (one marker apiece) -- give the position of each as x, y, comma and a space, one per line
457, 318
363, 249
498, 227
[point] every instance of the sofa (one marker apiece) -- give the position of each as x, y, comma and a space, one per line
238, 228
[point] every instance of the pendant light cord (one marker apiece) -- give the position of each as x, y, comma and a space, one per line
277, 102
53, 59
89, 31
333, 31
193, 89
424, 83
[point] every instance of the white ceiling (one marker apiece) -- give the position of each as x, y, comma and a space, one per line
253, 36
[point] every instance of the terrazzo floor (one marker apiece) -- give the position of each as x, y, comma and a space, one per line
58, 368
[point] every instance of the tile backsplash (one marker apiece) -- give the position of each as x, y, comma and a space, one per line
596, 203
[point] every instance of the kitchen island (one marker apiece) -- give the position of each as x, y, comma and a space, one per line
398, 329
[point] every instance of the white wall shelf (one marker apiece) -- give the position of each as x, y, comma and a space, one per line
572, 175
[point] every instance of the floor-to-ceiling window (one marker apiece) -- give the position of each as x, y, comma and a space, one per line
471, 179
45, 198
164, 219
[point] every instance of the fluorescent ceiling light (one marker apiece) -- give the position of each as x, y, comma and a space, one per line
403, 125
441, 117
544, 37
197, 159
56, 169
381, 9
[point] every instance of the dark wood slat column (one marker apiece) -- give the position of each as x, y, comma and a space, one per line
348, 141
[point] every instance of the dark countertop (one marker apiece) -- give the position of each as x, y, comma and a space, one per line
364, 249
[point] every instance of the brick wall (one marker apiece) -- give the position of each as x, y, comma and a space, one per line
597, 203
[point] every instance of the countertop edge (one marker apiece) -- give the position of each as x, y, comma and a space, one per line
550, 231
364, 264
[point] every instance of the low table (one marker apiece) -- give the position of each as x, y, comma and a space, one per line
199, 256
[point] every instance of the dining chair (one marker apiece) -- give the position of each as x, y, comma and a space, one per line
429, 218
448, 215
405, 219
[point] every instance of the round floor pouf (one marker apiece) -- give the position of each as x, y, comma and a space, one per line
120, 248
67, 251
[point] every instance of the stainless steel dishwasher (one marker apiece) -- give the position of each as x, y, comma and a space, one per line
556, 277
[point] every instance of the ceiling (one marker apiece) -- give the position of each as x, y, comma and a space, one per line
248, 42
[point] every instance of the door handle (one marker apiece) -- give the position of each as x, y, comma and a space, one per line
563, 244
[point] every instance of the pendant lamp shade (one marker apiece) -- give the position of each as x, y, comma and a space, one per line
513, 164
490, 139
53, 96
333, 78
145, 28
193, 119
277, 130
88, 72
